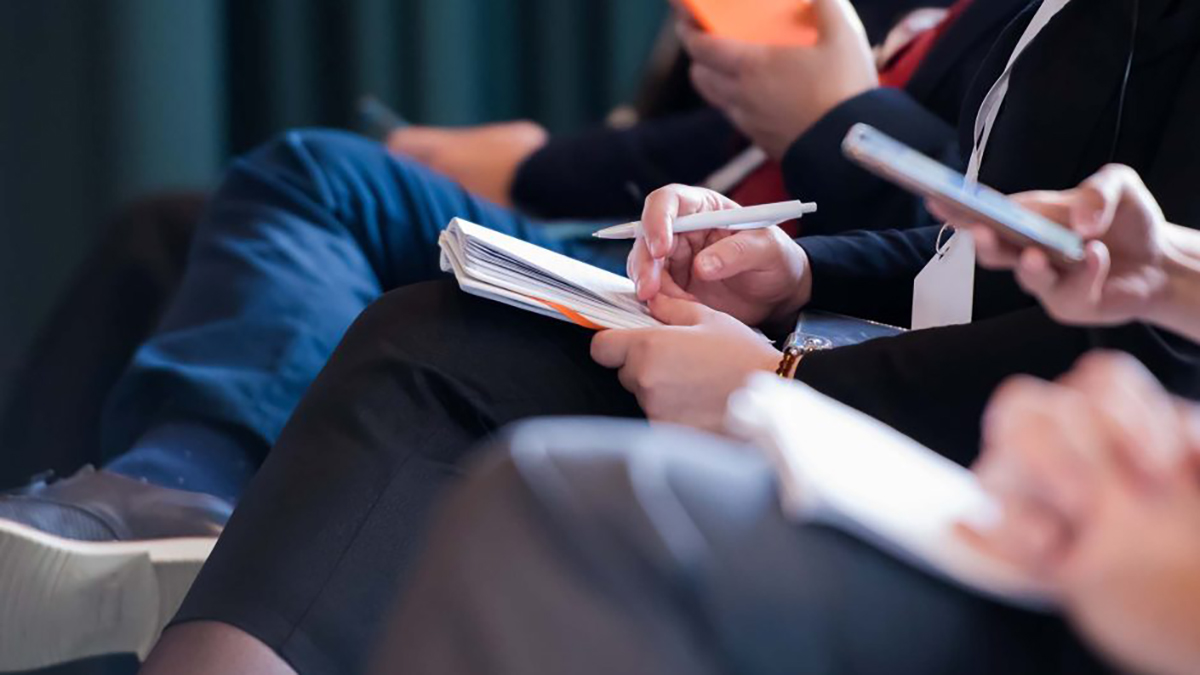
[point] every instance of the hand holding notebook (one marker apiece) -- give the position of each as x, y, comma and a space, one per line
841, 468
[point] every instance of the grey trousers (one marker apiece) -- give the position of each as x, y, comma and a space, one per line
594, 546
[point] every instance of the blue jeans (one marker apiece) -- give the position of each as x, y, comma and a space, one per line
302, 235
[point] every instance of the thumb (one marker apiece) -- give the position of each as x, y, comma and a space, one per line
733, 255
676, 312
834, 18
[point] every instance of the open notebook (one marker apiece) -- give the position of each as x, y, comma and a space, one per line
847, 470
502, 268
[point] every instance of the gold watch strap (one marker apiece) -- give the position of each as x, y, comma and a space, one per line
795, 349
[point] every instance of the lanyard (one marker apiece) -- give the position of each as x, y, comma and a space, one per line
943, 293
990, 108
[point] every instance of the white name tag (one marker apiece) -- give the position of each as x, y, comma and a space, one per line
943, 293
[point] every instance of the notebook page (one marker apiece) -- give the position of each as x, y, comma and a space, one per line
479, 277
490, 264
846, 469
612, 288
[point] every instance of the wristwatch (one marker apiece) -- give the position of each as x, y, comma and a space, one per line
798, 346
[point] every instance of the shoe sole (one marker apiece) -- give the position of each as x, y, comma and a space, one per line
62, 600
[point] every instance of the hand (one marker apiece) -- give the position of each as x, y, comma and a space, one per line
773, 93
1100, 486
757, 276
684, 372
483, 159
1125, 274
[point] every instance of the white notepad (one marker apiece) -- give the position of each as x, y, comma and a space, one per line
845, 469
496, 266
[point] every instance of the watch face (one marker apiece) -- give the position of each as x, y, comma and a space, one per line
807, 342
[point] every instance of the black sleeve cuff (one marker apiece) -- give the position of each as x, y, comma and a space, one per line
868, 275
851, 198
607, 173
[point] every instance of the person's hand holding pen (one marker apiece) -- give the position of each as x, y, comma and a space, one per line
759, 276
707, 287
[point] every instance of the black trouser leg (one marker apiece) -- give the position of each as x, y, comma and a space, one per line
311, 559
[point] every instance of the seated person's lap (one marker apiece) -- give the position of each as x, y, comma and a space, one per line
339, 508
634, 531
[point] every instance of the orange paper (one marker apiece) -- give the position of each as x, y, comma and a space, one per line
773, 22
575, 317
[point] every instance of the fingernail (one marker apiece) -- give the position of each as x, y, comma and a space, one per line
709, 264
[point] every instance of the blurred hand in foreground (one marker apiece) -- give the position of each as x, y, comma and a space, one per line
1098, 476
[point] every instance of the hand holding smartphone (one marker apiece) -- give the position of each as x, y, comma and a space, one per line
773, 22
896, 162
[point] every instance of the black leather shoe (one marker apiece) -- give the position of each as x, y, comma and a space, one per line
96, 564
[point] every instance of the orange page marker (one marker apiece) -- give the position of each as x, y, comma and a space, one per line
571, 314
771, 22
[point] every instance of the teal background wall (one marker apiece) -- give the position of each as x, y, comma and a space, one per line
105, 100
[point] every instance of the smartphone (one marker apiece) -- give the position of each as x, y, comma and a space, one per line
896, 162
774, 22
376, 120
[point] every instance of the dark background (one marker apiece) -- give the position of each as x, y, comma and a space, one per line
103, 101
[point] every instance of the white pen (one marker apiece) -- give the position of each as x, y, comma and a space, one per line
743, 218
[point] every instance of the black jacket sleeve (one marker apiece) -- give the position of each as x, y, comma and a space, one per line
868, 274
1056, 128
850, 198
933, 385
606, 173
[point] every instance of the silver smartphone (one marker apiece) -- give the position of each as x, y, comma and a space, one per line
896, 162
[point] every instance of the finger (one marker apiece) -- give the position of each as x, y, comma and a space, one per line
675, 312
629, 380
677, 269
1029, 536
722, 55
667, 204
644, 270
835, 19
658, 218
1035, 273
1098, 198
992, 251
1138, 416
611, 347
1079, 285
1085, 283
1034, 437
672, 289
1055, 206
743, 252
720, 90
948, 212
